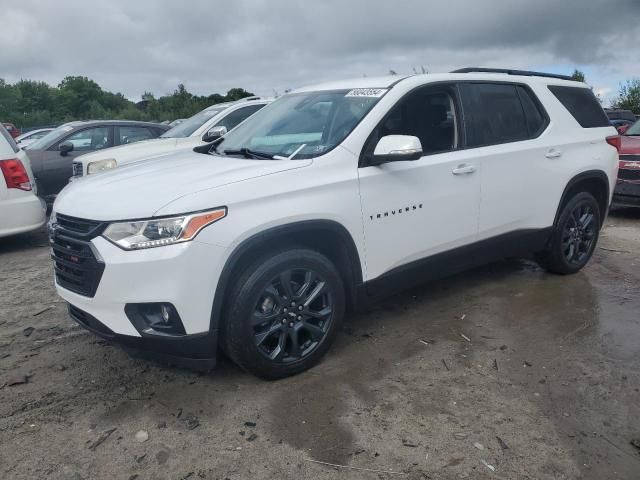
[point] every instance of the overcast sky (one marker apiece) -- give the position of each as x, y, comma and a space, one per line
130, 46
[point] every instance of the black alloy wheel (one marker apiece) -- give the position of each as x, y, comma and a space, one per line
292, 315
579, 234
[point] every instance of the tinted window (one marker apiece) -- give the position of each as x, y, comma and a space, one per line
428, 115
134, 134
582, 104
9, 138
238, 116
493, 114
536, 120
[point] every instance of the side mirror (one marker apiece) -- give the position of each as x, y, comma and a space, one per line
396, 148
214, 133
65, 148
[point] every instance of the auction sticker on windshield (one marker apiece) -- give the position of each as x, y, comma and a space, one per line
367, 92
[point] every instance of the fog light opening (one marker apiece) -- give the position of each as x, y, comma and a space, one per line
155, 319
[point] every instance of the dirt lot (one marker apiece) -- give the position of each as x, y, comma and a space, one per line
502, 372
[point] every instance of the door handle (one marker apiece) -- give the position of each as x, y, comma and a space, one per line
463, 169
553, 153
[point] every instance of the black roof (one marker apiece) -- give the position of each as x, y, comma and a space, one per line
506, 71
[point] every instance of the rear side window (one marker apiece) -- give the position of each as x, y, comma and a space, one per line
582, 105
500, 113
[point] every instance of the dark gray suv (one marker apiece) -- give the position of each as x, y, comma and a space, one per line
52, 156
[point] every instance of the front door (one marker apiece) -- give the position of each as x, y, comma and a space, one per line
414, 209
58, 168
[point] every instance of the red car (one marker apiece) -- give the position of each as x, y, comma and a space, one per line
627, 191
12, 129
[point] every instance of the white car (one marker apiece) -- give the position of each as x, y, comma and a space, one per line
197, 130
28, 138
20, 209
330, 197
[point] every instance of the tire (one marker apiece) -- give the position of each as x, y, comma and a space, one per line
574, 236
273, 331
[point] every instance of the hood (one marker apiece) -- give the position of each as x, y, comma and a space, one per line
134, 150
141, 189
630, 145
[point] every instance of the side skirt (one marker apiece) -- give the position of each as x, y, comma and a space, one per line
514, 244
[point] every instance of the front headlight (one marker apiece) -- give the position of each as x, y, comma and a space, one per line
158, 232
101, 165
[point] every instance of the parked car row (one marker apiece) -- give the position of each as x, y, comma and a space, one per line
52, 155
258, 241
201, 128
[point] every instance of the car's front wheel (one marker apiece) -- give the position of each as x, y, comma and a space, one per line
283, 313
574, 236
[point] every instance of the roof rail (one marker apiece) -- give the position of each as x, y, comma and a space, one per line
246, 99
524, 73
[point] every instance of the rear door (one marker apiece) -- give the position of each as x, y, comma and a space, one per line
505, 125
58, 168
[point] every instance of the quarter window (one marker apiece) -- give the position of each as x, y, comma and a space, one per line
582, 104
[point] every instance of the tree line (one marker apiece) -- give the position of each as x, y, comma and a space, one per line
28, 103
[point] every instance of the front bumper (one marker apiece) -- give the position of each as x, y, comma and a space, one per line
184, 275
191, 351
627, 194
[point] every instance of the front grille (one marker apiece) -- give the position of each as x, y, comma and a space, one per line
75, 264
629, 158
77, 169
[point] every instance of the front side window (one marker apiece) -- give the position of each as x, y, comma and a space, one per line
493, 114
134, 134
50, 137
238, 116
305, 124
427, 114
89, 139
191, 124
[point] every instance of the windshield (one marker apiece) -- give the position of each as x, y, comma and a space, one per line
191, 124
633, 129
49, 138
305, 124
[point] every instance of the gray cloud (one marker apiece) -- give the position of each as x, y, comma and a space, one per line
265, 45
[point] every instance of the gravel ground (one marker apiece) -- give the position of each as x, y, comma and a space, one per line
501, 372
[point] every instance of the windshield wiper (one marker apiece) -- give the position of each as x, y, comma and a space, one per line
248, 153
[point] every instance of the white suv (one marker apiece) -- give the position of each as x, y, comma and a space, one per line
20, 209
201, 128
331, 196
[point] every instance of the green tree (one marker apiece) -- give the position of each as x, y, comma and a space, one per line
28, 103
578, 75
629, 96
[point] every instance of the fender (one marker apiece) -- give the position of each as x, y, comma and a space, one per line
289, 229
589, 174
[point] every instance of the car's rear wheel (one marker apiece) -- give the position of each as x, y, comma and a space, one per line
574, 236
283, 313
